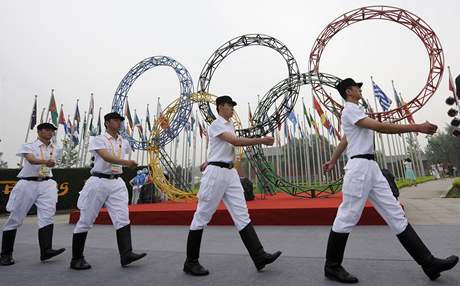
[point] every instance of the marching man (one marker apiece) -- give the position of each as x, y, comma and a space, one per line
364, 180
221, 181
106, 187
35, 186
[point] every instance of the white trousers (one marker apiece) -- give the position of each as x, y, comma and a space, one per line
97, 192
364, 180
43, 194
220, 184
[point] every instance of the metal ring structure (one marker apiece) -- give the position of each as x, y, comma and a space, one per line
255, 153
175, 124
235, 44
403, 17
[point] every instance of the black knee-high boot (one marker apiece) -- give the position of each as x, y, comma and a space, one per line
255, 248
45, 240
125, 248
192, 265
78, 261
334, 257
6, 256
431, 265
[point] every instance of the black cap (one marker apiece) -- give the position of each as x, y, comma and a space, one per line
46, 125
224, 99
346, 83
113, 115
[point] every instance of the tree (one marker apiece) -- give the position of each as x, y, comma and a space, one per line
444, 148
3, 164
69, 156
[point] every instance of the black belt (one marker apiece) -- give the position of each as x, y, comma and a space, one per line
38, 179
222, 164
364, 156
106, 176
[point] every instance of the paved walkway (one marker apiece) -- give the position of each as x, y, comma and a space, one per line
373, 252
425, 204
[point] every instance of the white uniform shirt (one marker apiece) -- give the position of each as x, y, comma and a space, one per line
220, 150
40, 151
117, 147
360, 140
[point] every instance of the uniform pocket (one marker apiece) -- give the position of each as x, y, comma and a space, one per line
19, 187
208, 181
353, 184
84, 193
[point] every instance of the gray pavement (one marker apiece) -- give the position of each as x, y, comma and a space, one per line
373, 254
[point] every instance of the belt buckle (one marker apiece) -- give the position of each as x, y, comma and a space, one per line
40, 179
112, 177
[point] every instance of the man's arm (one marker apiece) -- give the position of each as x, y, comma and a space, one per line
243, 141
389, 128
336, 155
34, 161
114, 160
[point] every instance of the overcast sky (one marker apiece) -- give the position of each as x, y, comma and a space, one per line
79, 47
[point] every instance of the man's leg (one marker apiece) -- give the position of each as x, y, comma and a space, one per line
391, 211
21, 200
355, 189
212, 189
117, 206
46, 209
236, 205
90, 201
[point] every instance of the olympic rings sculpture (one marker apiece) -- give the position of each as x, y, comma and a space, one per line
175, 116
403, 17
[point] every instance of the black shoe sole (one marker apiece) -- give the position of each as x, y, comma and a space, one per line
80, 268
126, 263
436, 275
46, 257
189, 272
275, 256
334, 278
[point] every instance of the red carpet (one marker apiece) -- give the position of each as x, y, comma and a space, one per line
281, 209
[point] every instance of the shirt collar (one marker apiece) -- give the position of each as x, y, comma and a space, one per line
109, 137
223, 120
39, 143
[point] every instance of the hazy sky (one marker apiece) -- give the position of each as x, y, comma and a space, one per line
79, 47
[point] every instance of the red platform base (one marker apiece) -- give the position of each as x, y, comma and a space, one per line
280, 209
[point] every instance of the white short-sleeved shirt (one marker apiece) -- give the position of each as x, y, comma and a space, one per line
40, 151
360, 140
220, 150
117, 147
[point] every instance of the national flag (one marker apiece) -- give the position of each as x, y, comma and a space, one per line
52, 108
33, 116
62, 119
42, 116
147, 119
409, 116
313, 123
322, 115
76, 118
99, 125
452, 86
91, 106
137, 123
251, 122
305, 112
385, 101
128, 116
